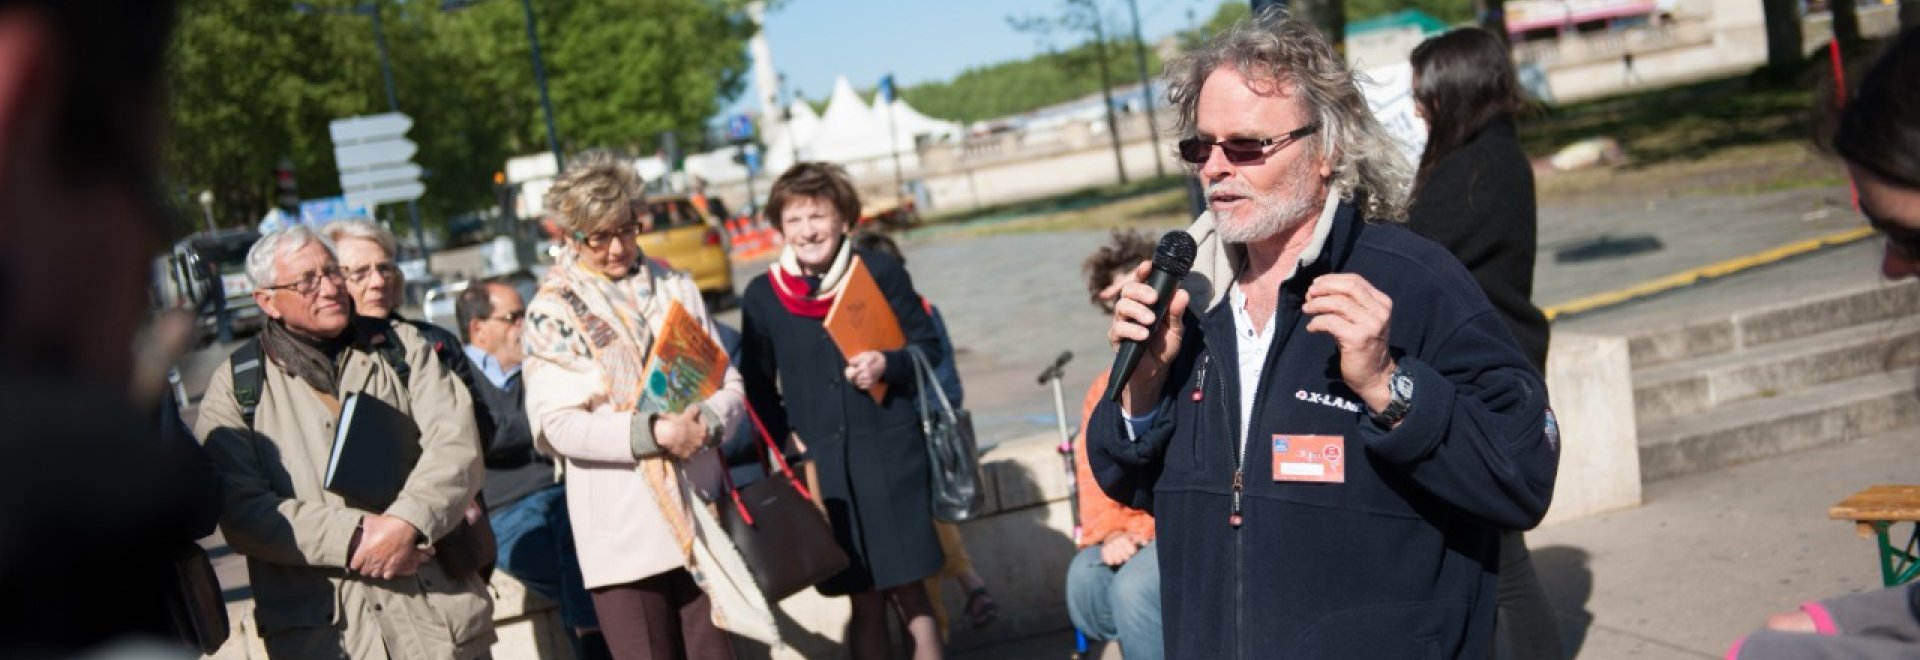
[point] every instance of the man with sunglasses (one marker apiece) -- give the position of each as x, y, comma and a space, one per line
1330, 425
527, 503
331, 579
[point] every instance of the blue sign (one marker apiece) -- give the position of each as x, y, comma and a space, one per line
752, 156
328, 209
739, 127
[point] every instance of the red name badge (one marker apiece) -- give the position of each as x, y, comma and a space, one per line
1310, 458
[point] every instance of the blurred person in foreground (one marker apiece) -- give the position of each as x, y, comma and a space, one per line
981, 609
1113, 585
871, 456
1878, 135
1473, 194
666, 581
329, 579
526, 502
1333, 440
94, 496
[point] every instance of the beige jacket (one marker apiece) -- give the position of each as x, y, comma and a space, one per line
294, 533
619, 531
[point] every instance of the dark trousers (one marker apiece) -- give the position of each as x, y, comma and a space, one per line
1531, 630
664, 617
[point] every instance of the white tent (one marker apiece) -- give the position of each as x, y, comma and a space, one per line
800, 128
850, 131
909, 124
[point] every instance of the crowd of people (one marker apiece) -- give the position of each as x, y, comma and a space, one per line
1337, 434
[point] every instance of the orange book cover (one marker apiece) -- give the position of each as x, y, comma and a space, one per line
861, 320
685, 366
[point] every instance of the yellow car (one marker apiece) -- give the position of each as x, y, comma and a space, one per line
679, 235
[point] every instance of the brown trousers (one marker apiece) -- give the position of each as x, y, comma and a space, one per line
664, 617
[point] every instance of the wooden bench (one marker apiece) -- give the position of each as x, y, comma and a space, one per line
1875, 510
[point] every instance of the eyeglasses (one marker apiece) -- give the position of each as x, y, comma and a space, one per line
511, 317
598, 240
386, 269
1241, 150
309, 283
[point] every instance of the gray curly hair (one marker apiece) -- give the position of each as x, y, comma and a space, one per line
595, 186
1275, 48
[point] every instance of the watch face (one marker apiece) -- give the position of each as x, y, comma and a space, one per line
1402, 386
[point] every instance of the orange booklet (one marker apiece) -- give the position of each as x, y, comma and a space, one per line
861, 320
685, 366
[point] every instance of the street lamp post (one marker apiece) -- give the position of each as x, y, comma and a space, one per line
539, 71
206, 204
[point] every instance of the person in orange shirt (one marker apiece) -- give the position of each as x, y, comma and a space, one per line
1113, 585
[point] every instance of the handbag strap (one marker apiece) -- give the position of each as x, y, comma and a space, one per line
770, 449
923, 370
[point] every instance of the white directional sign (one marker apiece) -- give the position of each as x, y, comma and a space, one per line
375, 159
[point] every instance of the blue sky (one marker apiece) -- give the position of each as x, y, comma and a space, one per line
923, 40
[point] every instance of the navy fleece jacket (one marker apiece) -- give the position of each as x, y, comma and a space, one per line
1399, 560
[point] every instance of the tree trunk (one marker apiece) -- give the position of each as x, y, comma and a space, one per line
1330, 16
1491, 15
1783, 33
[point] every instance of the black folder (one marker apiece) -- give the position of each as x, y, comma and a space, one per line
374, 449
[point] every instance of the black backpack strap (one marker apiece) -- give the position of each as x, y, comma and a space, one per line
391, 350
249, 377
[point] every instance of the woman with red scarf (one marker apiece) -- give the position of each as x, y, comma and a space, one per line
871, 457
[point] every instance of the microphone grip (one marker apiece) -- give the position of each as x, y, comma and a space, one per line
1128, 357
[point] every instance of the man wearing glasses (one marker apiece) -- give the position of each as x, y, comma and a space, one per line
527, 502
331, 580
1333, 438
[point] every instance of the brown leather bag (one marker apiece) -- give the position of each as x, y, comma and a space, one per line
784, 538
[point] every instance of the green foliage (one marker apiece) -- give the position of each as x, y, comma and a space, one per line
253, 82
1451, 12
1006, 88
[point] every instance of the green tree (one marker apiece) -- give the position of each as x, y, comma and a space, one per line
252, 84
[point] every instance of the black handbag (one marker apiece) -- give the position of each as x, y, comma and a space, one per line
785, 540
196, 610
953, 456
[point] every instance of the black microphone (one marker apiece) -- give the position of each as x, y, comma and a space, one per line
1171, 261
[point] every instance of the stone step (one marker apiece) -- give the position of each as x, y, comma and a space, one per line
1831, 413
1777, 369
1784, 322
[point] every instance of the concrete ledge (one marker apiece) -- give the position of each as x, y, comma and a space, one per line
1590, 380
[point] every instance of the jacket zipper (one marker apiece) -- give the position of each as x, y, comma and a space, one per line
1282, 327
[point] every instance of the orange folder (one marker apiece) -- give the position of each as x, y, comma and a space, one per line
861, 320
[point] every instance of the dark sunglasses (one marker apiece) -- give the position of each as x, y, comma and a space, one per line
1241, 150
511, 317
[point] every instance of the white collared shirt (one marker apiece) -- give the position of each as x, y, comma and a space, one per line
1252, 345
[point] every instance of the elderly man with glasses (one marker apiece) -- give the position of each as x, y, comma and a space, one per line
1334, 434
331, 579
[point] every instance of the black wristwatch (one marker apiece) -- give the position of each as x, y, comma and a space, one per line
1401, 385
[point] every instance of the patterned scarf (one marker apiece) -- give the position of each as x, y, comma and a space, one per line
613, 317
799, 293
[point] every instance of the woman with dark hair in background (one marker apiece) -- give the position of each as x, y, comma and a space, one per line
1473, 194
1879, 136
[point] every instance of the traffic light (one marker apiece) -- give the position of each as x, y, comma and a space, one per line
504, 193
286, 190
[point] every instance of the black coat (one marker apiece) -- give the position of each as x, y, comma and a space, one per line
1478, 203
1399, 560
871, 458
